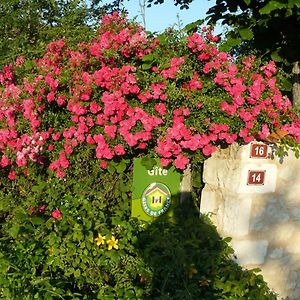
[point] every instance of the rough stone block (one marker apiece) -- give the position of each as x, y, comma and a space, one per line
283, 232
244, 152
270, 179
237, 211
212, 203
294, 247
233, 175
208, 200
276, 253
250, 252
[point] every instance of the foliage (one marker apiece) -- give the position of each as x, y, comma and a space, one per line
270, 26
67, 256
269, 29
28, 25
184, 4
70, 123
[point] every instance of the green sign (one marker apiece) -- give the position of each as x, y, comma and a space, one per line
156, 190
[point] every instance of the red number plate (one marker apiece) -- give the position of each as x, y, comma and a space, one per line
256, 177
259, 151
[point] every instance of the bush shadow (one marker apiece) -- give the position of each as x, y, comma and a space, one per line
189, 260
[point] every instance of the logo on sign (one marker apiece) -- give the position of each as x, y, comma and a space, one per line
156, 199
256, 177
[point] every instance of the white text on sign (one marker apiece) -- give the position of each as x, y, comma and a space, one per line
157, 171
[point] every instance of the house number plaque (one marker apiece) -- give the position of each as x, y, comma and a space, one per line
259, 151
256, 177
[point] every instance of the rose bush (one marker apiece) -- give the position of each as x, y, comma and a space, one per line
70, 124
124, 93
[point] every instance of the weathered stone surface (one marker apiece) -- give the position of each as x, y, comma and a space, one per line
212, 204
244, 153
276, 253
269, 185
264, 220
186, 184
282, 233
236, 218
292, 195
295, 213
222, 173
294, 246
250, 252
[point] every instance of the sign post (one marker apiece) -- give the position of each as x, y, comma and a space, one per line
156, 191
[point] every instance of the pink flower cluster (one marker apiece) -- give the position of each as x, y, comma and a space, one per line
99, 96
56, 214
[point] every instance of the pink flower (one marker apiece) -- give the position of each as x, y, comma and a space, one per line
51, 147
4, 161
119, 149
265, 132
161, 108
56, 214
181, 161
31, 210
94, 107
60, 173
110, 130
165, 161
209, 149
50, 97
103, 164
12, 175
42, 208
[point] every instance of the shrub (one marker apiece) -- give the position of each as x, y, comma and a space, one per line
73, 238
70, 124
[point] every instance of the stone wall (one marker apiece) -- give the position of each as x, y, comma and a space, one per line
254, 198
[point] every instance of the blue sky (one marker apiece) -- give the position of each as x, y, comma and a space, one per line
159, 17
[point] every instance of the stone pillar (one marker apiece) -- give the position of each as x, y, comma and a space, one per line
254, 198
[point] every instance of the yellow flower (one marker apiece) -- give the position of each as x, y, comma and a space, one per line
100, 240
112, 243
51, 250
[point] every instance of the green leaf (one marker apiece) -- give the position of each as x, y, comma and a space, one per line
247, 1
37, 220
146, 66
3, 266
77, 273
111, 169
285, 84
162, 39
148, 57
191, 27
14, 230
276, 57
21, 216
270, 6
121, 167
196, 182
148, 162
229, 43
294, 3
28, 65
233, 41
246, 33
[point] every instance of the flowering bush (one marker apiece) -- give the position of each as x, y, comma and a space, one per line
70, 124
124, 93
